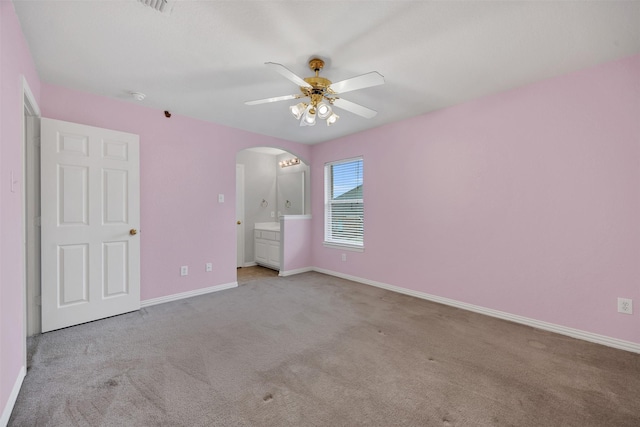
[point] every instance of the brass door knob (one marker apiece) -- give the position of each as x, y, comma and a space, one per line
133, 231
239, 222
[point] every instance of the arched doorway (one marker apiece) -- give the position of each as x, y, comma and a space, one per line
259, 171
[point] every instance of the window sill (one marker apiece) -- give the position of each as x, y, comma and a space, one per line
351, 248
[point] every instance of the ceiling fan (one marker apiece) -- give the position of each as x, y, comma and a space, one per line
322, 94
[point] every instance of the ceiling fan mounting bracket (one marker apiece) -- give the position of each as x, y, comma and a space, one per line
316, 64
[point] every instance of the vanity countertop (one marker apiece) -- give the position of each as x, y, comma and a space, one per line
267, 226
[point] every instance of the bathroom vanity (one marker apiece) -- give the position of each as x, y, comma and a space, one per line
266, 237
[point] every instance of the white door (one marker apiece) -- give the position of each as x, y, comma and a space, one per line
240, 215
90, 186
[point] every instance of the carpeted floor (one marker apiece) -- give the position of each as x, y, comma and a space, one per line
314, 350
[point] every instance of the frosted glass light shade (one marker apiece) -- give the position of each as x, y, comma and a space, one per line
298, 109
308, 118
324, 110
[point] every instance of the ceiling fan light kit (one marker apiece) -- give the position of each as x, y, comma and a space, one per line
322, 94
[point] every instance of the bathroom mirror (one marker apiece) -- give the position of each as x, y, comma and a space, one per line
290, 193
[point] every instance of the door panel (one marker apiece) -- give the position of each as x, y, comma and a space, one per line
90, 201
73, 199
115, 196
115, 281
74, 274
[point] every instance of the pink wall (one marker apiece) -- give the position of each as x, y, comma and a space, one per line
525, 202
15, 61
296, 239
184, 165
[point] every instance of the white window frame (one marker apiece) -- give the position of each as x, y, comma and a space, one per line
329, 240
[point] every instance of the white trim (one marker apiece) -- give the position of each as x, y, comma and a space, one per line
559, 329
11, 401
342, 161
250, 264
28, 102
188, 294
290, 217
296, 271
26, 92
345, 247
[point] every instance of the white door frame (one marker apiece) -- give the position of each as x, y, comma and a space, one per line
240, 226
29, 108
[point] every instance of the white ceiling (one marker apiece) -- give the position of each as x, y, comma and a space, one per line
207, 57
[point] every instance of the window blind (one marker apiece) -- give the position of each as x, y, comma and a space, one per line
344, 206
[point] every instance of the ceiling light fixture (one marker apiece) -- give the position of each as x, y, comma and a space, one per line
290, 162
316, 90
323, 94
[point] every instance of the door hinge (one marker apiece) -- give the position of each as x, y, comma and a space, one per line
37, 299
37, 221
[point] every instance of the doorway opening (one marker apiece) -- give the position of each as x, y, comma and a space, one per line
266, 191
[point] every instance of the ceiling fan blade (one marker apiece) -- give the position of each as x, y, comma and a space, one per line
359, 82
354, 108
274, 99
287, 73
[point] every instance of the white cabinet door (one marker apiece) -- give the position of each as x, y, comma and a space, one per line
261, 251
273, 253
90, 188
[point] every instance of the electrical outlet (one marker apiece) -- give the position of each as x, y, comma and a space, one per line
344, 257
625, 305
184, 270
209, 267
220, 198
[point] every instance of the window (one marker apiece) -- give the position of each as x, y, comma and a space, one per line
344, 207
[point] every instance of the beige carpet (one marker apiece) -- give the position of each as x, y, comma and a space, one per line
313, 350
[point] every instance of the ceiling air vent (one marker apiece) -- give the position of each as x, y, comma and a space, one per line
162, 6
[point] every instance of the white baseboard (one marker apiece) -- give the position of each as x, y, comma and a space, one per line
8, 408
559, 329
188, 294
250, 264
296, 271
